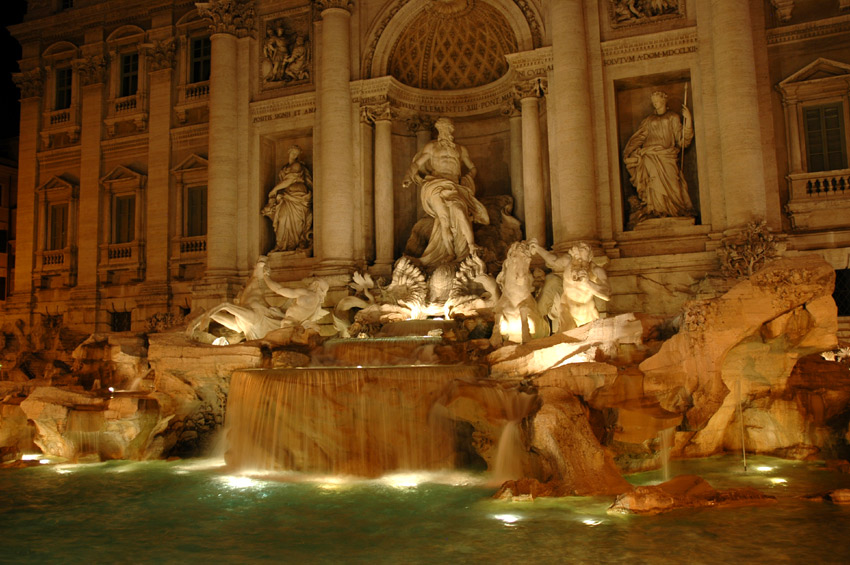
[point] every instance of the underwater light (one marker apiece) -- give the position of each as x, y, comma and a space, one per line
764, 469
778, 481
30, 456
44, 461
591, 522
404, 480
508, 519
239, 482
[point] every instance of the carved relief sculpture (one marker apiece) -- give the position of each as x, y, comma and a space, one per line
652, 159
289, 206
641, 11
579, 280
447, 196
287, 55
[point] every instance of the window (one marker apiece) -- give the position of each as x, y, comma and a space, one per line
120, 321
66, 4
129, 74
196, 211
57, 236
200, 60
841, 295
63, 88
825, 145
124, 219
4, 240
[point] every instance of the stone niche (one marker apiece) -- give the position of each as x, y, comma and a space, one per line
634, 104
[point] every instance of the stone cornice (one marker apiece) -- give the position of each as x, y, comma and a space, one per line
655, 46
530, 64
228, 16
194, 132
283, 108
809, 30
68, 156
30, 83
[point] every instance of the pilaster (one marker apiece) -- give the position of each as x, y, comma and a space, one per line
529, 93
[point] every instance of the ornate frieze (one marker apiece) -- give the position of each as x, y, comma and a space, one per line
91, 70
161, 54
631, 50
283, 108
635, 12
30, 83
822, 28
323, 5
286, 52
531, 64
228, 16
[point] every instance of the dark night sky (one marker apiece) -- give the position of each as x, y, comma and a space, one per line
11, 12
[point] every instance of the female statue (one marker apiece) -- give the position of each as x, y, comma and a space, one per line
290, 205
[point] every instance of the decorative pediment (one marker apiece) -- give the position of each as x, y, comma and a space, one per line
123, 177
126, 34
818, 69
57, 184
820, 78
60, 50
192, 167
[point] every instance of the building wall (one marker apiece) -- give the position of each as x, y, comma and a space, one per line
579, 76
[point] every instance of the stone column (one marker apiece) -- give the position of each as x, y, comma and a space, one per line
384, 203
515, 120
532, 168
157, 236
229, 20
367, 175
334, 240
572, 161
32, 86
741, 150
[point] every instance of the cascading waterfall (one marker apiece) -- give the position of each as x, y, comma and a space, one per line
341, 420
84, 430
666, 436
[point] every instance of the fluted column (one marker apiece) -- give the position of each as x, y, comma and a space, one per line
367, 169
572, 161
335, 234
384, 203
532, 167
741, 150
228, 20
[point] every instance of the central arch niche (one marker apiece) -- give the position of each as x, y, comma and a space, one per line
452, 45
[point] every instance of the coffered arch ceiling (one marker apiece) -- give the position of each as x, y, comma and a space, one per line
450, 44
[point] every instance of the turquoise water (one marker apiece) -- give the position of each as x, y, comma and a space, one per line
194, 512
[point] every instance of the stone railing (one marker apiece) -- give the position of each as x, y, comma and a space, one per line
60, 117
54, 259
196, 91
119, 251
820, 184
193, 245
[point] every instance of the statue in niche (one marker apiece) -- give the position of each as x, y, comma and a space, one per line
569, 293
652, 159
290, 205
447, 196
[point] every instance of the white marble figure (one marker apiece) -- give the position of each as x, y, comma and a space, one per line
473, 289
517, 318
251, 314
447, 196
652, 159
581, 281
290, 205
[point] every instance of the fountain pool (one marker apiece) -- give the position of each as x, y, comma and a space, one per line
194, 511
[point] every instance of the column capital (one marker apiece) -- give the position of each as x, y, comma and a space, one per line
92, 70
346, 5
783, 9
531, 88
228, 16
30, 83
420, 122
161, 54
384, 112
510, 109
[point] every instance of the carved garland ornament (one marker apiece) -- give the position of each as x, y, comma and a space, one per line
31, 83
228, 16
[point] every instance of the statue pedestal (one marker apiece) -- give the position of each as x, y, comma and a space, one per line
664, 223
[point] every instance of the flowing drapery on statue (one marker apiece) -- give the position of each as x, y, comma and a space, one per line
290, 205
652, 159
447, 196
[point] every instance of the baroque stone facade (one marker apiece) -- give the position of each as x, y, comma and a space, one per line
151, 137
